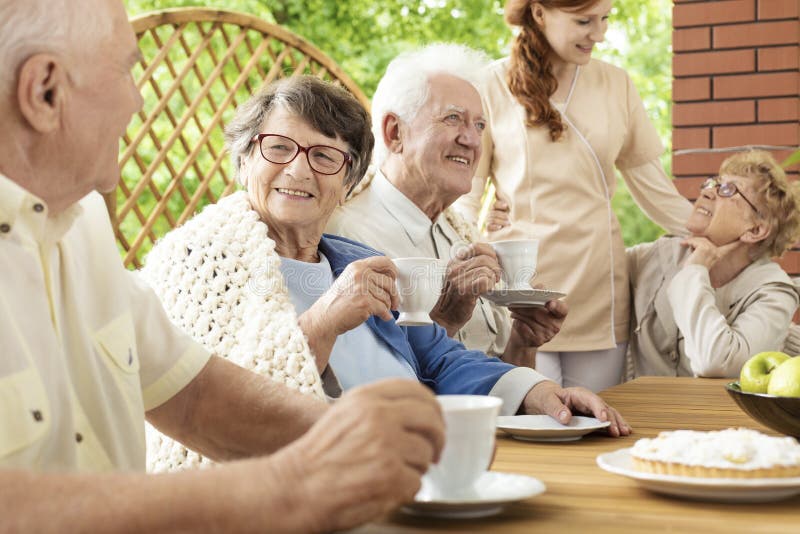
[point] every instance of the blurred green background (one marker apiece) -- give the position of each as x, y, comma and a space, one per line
363, 36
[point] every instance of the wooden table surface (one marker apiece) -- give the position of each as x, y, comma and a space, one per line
581, 497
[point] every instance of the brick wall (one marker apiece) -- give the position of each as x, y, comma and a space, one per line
736, 82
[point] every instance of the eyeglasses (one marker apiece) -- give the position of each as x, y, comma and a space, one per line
281, 150
727, 190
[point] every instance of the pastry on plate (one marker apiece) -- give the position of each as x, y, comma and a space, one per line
731, 453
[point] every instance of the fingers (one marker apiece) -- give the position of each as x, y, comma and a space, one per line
474, 270
585, 401
544, 398
557, 308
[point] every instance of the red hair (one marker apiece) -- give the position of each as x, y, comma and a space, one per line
530, 76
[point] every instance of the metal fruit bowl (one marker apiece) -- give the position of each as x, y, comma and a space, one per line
778, 413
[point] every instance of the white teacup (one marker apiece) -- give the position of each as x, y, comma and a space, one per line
470, 422
517, 258
419, 284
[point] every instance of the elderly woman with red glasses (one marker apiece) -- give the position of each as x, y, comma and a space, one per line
703, 305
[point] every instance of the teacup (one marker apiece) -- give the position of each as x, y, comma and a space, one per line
517, 258
419, 284
470, 425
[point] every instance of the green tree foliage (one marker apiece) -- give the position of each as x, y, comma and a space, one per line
364, 35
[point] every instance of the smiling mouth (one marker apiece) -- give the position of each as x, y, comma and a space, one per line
586, 49
703, 211
293, 192
460, 160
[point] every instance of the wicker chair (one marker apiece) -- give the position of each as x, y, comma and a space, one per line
198, 65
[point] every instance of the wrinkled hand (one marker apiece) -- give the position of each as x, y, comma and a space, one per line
537, 326
499, 216
559, 403
473, 271
366, 455
365, 288
707, 253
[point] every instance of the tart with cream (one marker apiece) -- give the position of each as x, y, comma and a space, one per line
731, 453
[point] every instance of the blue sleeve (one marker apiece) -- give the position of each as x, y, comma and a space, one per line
449, 367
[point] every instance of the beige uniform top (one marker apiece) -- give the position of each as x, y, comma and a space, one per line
560, 192
87, 348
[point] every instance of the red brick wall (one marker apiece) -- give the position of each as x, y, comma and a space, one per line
736, 82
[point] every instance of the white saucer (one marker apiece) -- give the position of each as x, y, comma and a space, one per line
545, 428
490, 494
523, 298
702, 489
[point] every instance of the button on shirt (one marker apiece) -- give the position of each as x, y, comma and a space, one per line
87, 347
384, 218
358, 356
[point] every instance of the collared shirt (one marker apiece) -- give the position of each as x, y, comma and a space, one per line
384, 218
87, 347
358, 356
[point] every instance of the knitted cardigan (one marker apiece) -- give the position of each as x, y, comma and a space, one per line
219, 279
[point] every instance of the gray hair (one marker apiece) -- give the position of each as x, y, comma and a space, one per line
331, 110
29, 27
404, 88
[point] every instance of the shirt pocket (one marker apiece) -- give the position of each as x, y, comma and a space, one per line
117, 342
24, 411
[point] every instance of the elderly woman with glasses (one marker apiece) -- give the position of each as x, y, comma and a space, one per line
703, 305
254, 277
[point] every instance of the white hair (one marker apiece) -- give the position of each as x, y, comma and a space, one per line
29, 27
404, 88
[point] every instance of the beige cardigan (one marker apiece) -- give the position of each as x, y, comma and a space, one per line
683, 327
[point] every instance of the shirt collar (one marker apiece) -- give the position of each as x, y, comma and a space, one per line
24, 214
412, 220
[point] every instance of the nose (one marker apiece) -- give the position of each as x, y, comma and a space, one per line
598, 33
299, 168
470, 136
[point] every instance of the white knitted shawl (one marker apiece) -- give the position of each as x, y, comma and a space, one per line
219, 279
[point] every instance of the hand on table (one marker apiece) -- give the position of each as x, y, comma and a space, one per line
366, 455
473, 271
499, 216
559, 403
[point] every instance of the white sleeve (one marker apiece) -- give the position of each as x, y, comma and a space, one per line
714, 347
656, 195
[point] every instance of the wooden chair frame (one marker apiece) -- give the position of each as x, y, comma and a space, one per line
199, 64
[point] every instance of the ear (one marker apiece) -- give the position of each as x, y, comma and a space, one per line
760, 231
392, 134
537, 12
41, 91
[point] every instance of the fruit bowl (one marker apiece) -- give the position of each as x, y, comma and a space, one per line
778, 413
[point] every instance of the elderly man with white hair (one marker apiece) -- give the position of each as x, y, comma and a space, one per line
427, 119
88, 352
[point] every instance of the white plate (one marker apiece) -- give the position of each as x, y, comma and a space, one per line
545, 428
702, 489
490, 494
523, 298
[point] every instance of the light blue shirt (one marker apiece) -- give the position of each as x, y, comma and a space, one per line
358, 356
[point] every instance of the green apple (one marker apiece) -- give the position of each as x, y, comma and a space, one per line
785, 380
756, 371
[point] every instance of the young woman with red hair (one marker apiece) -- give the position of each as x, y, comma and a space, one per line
560, 122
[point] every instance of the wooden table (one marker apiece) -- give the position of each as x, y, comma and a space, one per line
581, 497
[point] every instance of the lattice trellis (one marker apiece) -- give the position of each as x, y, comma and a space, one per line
199, 64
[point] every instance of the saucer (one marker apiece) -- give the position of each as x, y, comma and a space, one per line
523, 298
545, 428
492, 491
733, 490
